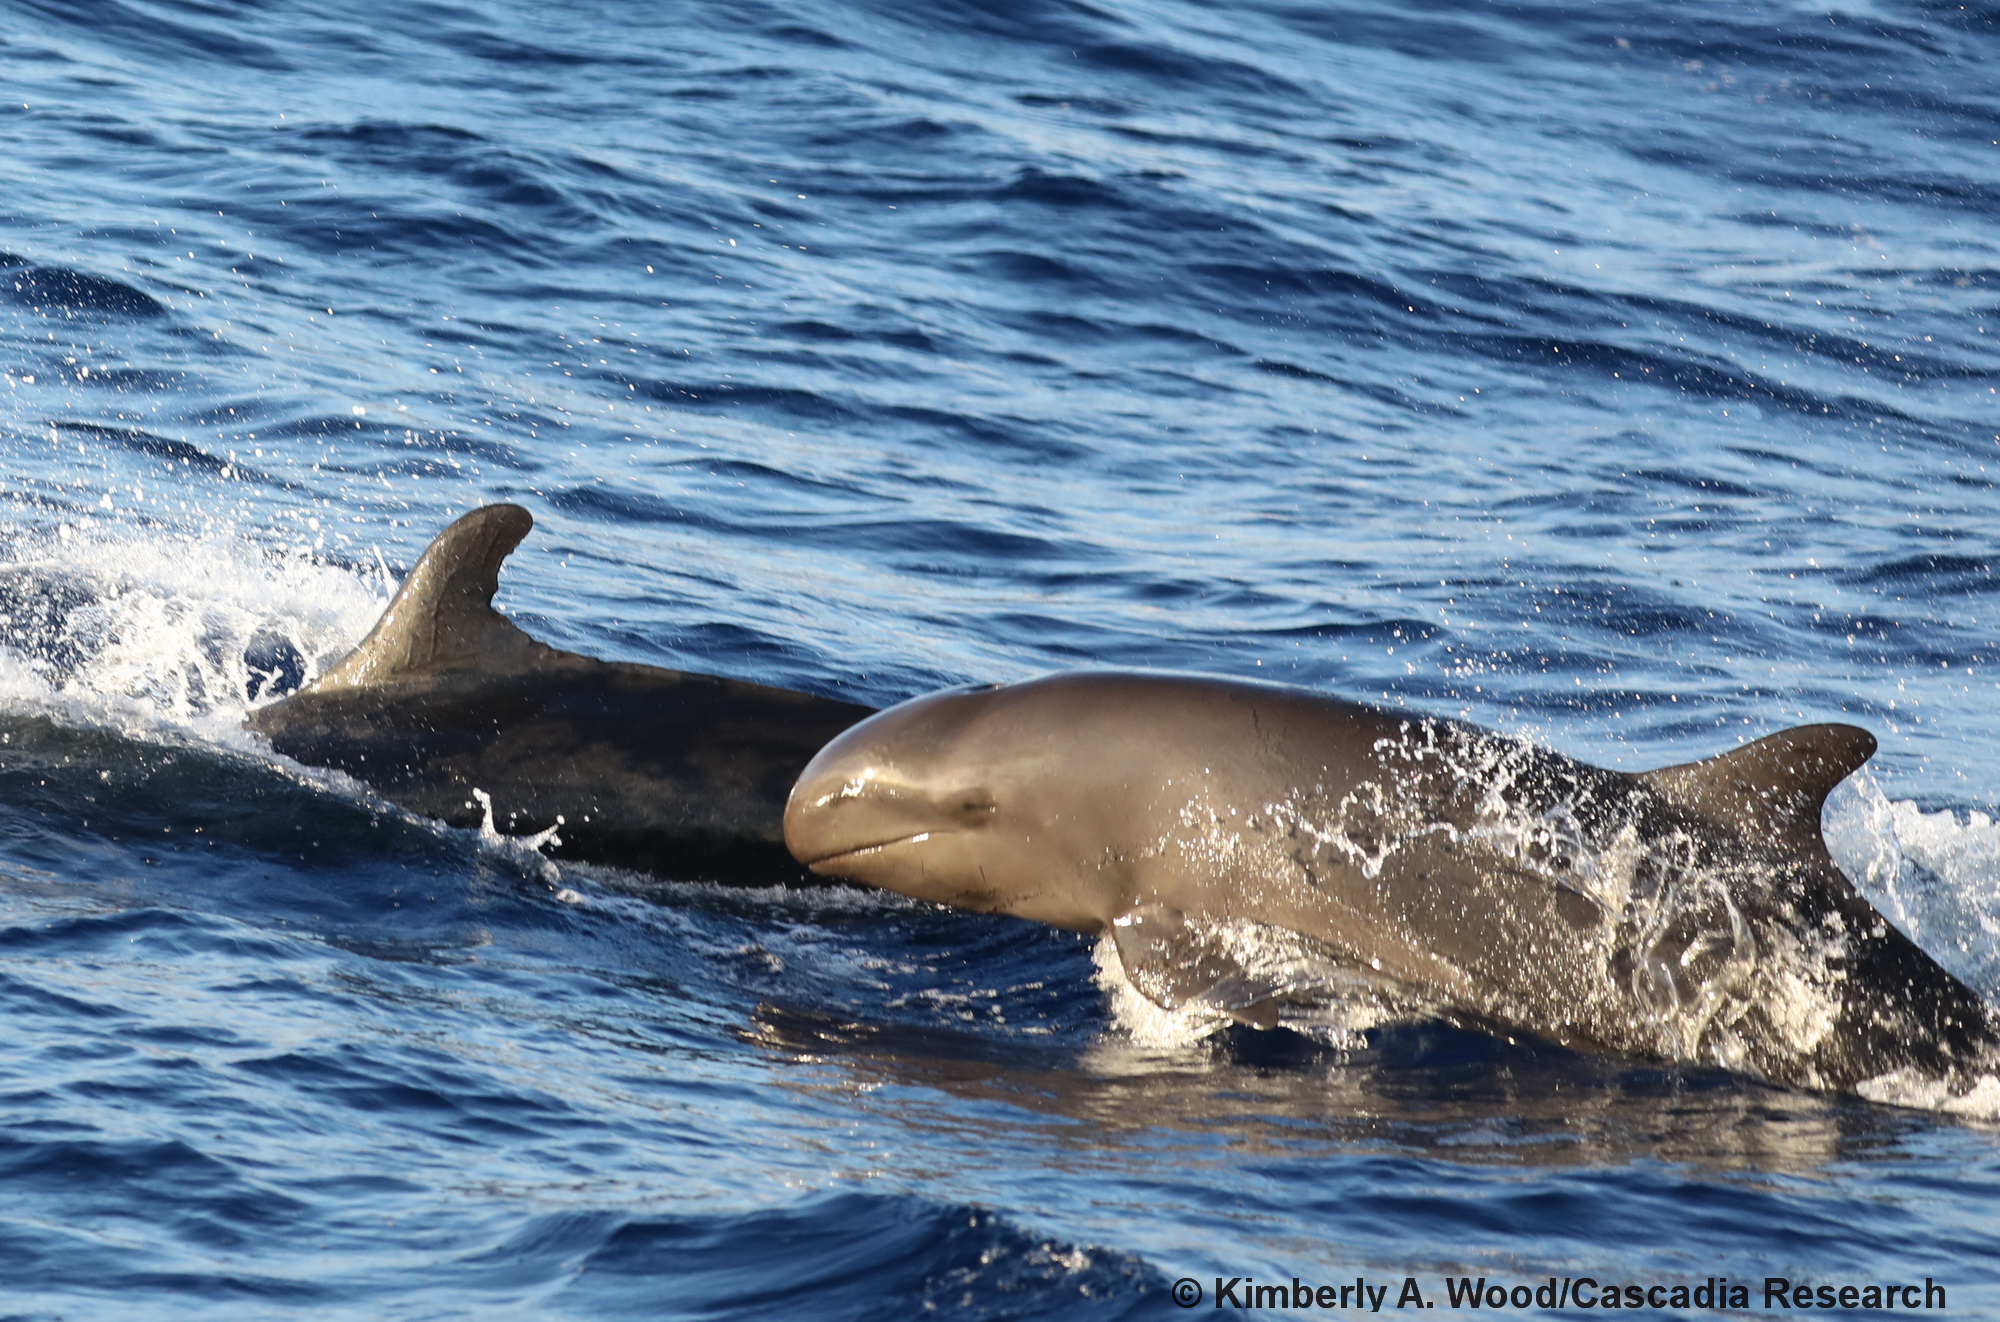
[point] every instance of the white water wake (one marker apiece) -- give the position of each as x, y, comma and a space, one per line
165, 635
1936, 874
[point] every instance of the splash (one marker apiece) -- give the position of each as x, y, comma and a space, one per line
1681, 947
525, 851
1147, 1024
1936, 875
1918, 1092
165, 635
1664, 961
1305, 988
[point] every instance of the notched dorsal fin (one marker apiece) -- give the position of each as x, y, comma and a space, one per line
442, 618
1775, 786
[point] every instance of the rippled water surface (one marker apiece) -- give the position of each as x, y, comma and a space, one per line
1623, 376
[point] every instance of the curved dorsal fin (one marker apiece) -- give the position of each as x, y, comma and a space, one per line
442, 618
1773, 787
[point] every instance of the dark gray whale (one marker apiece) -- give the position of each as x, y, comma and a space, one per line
660, 771
1259, 851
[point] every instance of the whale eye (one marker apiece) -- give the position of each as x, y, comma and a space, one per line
972, 806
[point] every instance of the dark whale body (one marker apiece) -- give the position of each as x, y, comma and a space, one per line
1258, 851
661, 771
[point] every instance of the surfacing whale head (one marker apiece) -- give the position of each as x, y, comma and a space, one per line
969, 798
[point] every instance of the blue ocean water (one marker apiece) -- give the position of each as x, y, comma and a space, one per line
1619, 376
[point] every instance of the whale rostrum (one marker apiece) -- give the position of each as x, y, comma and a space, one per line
663, 771
1276, 855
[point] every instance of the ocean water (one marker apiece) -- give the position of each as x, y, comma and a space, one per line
1621, 376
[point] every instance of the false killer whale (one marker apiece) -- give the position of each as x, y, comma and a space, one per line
446, 700
1263, 852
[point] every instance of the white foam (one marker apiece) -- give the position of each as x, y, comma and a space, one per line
1936, 875
525, 851
1920, 1092
1147, 1024
1310, 996
146, 631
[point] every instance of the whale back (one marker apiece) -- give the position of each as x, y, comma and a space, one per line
450, 710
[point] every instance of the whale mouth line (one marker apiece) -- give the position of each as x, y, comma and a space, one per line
858, 851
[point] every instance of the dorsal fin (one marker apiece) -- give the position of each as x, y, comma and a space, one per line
442, 618
1773, 787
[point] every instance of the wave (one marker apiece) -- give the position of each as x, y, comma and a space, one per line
64, 292
846, 1255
